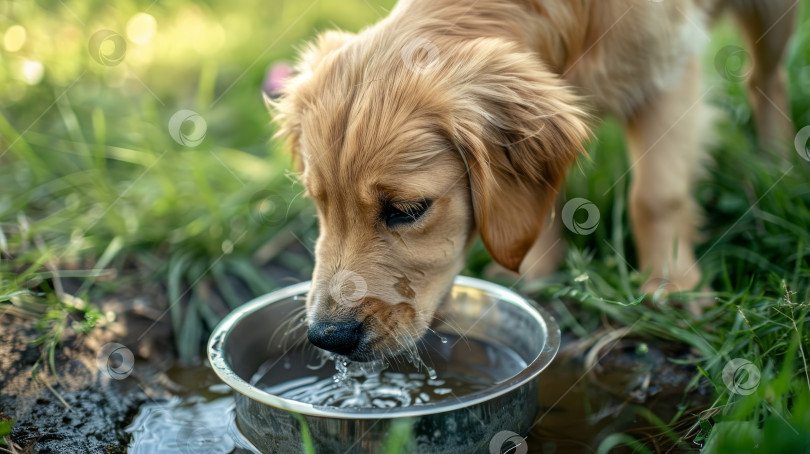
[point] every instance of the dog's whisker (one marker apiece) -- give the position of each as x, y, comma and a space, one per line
292, 323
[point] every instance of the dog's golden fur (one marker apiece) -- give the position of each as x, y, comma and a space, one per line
480, 107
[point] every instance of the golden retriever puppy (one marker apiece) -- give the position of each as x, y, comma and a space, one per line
455, 118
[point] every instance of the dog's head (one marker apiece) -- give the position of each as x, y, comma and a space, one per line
408, 148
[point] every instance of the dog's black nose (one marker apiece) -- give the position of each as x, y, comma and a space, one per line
337, 337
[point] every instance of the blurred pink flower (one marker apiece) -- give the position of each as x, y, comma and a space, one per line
277, 75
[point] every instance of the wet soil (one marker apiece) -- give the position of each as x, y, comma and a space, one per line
71, 409
79, 409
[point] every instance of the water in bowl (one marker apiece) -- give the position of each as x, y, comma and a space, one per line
445, 367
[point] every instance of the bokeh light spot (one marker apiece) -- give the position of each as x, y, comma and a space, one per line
14, 38
32, 72
141, 28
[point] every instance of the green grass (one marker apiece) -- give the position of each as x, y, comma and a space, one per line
94, 191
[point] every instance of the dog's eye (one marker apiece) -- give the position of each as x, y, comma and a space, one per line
396, 214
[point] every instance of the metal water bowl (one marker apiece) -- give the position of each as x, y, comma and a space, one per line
473, 423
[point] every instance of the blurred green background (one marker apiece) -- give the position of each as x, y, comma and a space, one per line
93, 187
91, 177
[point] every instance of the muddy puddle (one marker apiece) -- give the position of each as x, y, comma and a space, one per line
579, 407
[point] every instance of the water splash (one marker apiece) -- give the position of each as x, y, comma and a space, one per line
460, 369
417, 361
354, 385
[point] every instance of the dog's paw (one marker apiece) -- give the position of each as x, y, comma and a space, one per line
664, 291
657, 287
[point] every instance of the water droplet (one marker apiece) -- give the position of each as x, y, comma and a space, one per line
441, 338
431, 373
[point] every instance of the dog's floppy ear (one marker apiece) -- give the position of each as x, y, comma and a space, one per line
296, 93
518, 128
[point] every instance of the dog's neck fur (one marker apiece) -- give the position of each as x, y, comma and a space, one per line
550, 32
616, 69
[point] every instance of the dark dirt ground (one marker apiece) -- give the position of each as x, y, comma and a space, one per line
77, 408
73, 409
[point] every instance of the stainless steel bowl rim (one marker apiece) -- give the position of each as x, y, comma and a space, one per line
216, 356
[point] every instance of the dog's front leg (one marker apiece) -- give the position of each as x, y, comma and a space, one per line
545, 255
664, 146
